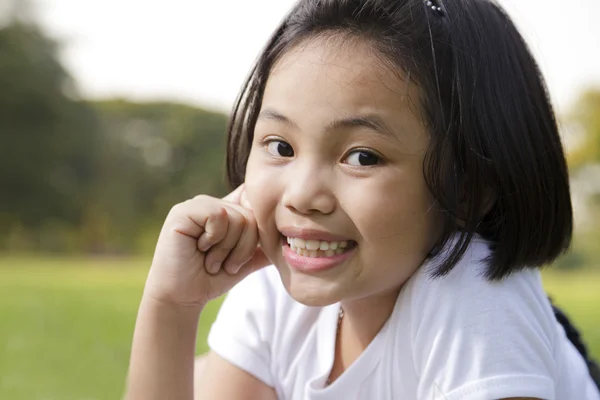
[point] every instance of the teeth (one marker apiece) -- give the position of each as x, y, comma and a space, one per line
300, 243
312, 244
316, 248
316, 244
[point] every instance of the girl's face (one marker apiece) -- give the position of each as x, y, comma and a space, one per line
337, 164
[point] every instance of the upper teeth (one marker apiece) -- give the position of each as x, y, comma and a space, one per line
316, 244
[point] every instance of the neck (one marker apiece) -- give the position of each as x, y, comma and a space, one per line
364, 318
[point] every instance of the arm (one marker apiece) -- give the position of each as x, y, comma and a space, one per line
162, 361
162, 355
205, 248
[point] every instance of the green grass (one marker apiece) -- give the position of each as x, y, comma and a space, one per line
578, 295
66, 324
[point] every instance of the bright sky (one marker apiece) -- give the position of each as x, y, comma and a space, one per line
200, 51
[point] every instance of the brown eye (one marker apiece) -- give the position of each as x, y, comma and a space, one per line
362, 158
280, 148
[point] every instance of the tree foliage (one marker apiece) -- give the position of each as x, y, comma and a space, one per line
585, 120
91, 176
47, 136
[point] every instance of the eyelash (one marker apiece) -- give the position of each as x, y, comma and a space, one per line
379, 160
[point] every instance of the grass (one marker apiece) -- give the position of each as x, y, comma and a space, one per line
66, 323
66, 326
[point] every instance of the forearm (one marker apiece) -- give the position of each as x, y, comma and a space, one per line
162, 355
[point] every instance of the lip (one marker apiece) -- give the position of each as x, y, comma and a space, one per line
312, 265
312, 234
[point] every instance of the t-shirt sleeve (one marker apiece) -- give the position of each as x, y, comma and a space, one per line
477, 340
243, 329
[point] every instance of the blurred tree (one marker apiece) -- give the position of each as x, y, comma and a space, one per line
585, 121
90, 176
583, 143
48, 137
154, 156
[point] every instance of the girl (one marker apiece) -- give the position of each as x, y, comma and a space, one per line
399, 165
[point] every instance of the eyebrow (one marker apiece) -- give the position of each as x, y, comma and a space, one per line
369, 121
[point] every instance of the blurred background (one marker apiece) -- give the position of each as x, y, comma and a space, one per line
113, 111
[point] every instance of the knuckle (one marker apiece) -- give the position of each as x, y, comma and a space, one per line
200, 198
240, 221
176, 210
219, 213
208, 238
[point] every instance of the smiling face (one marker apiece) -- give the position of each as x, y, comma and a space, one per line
337, 164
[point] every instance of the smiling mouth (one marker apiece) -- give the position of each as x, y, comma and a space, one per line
318, 248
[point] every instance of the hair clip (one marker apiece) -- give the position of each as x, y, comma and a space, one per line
435, 7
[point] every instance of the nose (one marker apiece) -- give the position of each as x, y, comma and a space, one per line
308, 189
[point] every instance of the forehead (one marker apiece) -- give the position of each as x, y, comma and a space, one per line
328, 77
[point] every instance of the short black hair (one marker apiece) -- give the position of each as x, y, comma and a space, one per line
495, 163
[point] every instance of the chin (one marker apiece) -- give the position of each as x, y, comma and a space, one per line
309, 290
313, 299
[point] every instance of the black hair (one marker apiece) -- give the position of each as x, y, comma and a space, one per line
495, 164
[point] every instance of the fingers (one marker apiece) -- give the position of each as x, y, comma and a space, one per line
225, 230
244, 248
238, 244
215, 229
259, 260
190, 217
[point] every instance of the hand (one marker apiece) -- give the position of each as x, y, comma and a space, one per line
206, 246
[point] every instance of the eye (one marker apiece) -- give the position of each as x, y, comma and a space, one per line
280, 148
362, 158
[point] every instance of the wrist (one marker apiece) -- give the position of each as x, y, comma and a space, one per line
175, 310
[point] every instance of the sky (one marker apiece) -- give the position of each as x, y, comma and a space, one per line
200, 51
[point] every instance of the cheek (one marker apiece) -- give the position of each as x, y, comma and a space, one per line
400, 213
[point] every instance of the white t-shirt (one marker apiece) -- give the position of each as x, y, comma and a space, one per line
456, 337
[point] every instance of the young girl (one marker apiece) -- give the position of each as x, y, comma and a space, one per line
400, 178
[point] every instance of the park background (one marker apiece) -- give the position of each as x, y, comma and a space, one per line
113, 111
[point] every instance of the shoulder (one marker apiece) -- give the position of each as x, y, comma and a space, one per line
465, 292
470, 333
